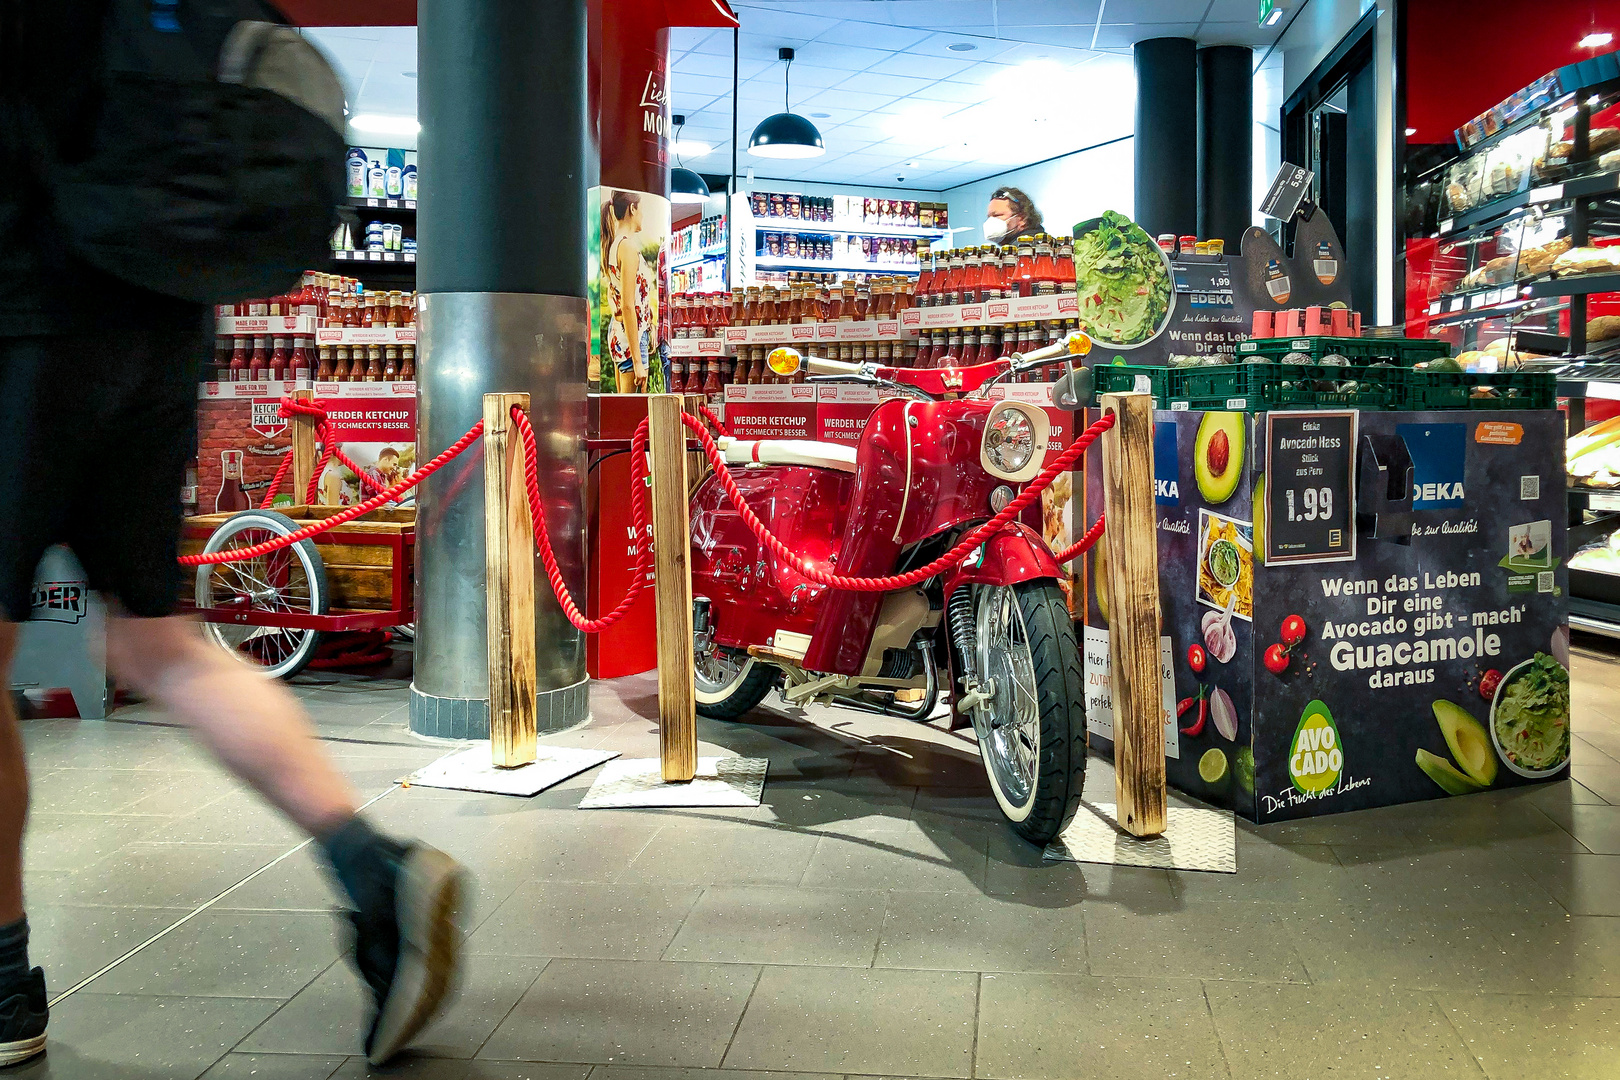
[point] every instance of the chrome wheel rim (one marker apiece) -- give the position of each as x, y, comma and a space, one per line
717, 671
1010, 728
277, 582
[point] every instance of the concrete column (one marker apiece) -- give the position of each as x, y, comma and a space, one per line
1225, 142
501, 272
1166, 135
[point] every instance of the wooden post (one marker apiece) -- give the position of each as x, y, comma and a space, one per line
672, 540
1133, 605
508, 586
303, 448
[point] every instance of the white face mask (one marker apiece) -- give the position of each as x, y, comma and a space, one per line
994, 228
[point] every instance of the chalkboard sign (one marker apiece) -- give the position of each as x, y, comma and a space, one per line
1310, 487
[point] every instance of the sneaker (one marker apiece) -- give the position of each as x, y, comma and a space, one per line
22, 1021
409, 952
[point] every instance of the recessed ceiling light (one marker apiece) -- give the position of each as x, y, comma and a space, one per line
1593, 41
821, 115
911, 164
962, 46
1411, 131
409, 74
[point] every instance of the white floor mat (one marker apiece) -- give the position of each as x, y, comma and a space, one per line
471, 770
1194, 838
630, 782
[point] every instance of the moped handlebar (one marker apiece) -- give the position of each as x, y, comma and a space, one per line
818, 365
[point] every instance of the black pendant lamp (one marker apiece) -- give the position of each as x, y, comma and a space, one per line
685, 186
786, 135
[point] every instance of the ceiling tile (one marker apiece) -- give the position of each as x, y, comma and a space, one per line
939, 14
1048, 12
698, 86
1233, 11
683, 38
830, 100
1122, 35
1074, 37
775, 22
984, 48
879, 82
923, 67
1156, 11
954, 92
842, 57
872, 36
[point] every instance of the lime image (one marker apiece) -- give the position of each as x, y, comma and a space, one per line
1243, 768
1212, 766
1223, 562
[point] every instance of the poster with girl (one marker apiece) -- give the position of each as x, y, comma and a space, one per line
629, 338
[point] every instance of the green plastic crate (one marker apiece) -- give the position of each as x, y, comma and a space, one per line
1403, 352
1261, 386
1132, 378
1422, 390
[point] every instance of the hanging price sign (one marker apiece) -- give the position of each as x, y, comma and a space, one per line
1310, 487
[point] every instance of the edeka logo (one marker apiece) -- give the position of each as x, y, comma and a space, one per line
1439, 453
1166, 466
1316, 759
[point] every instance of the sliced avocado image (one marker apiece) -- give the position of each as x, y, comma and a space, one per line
1258, 516
1470, 745
1218, 455
1445, 774
1099, 579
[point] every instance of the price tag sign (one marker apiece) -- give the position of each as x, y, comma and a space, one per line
1310, 487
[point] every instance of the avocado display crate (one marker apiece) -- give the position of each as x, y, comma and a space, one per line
1420, 652
1478, 390
1260, 386
1402, 352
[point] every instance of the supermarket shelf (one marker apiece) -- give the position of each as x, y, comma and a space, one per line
794, 333
366, 335
1594, 616
1579, 285
828, 266
305, 326
691, 257
797, 225
992, 312
380, 257
381, 204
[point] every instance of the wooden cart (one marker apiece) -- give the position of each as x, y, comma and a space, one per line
273, 608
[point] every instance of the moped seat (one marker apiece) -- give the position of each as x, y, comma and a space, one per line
823, 455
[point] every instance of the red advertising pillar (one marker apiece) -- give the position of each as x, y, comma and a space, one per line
628, 227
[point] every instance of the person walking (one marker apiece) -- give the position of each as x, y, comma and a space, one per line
95, 368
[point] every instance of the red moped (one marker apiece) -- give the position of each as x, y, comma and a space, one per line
935, 459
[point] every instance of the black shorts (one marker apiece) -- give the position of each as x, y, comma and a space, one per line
95, 435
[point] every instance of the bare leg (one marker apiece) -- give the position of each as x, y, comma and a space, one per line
252, 724
13, 788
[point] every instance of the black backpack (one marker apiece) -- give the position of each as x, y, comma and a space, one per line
217, 157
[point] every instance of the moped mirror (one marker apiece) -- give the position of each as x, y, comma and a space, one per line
1074, 391
784, 361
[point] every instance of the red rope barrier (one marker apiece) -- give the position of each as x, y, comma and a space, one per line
714, 420
542, 536
971, 540
342, 516
275, 482
1084, 544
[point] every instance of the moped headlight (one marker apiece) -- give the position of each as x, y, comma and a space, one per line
1009, 440
1014, 436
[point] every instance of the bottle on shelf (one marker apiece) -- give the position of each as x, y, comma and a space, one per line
241, 368
323, 365
1065, 264
374, 368
280, 360
340, 363
925, 277
231, 497
1024, 268
390, 371
259, 361
407, 364
1044, 279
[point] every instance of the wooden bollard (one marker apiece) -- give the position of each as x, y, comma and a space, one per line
1133, 604
672, 567
508, 586
303, 448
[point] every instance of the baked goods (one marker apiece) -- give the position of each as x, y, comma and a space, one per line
1533, 262
1602, 328
1587, 260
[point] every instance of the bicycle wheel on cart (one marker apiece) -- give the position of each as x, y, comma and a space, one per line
289, 581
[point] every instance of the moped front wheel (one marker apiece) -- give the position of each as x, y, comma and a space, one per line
729, 683
1032, 728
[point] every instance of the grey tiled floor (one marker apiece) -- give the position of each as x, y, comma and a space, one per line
873, 918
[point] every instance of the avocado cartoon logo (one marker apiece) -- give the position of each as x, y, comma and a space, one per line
1316, 758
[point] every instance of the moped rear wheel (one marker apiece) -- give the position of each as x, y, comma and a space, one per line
1032, 729
729, 683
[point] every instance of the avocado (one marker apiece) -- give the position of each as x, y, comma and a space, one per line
1445, 774
1218, 455
1469, 743
1258, 516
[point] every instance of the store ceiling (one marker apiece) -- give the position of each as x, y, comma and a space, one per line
1043, 78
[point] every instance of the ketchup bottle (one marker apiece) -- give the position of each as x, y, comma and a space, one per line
280, 360
973, 276
951, 292
711, 381
925, 278
302, 349
340, 364
407, 364
323, 369
995, 279
390, 363
1045, 276
239, 369
231, 497
1065, 265
258, 362
1024, 268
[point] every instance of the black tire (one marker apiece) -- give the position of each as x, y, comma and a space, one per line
1049, 804
730, 700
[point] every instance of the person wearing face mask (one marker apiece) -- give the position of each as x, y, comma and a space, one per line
1012, 214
